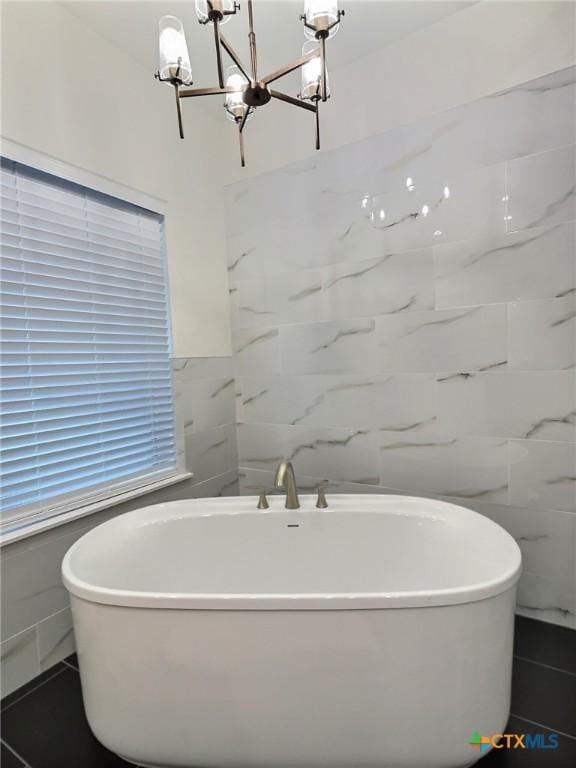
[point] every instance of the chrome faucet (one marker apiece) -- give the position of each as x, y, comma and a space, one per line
286, 479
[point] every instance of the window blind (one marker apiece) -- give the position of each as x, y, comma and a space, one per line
87, 405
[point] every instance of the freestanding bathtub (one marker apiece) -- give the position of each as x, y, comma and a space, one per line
376, 633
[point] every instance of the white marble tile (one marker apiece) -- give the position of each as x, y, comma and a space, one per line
541, 189
251, 479
234, 300
295, 297
211, 452
277, 247
547, 599
204, 403
467, 339
406, 218
347, 401
32, 587
388, 284
449, 205
275, 195
55, 639
260, 446
526, 119
285, 399
542, 334
468, 468
342, 454
378, 164
256, 350
467, 205
347, 346
222, 485
543, 475
190, 368
538, 405
536, 264
356, 239
397, 402
19, 660
238, 399
404, 404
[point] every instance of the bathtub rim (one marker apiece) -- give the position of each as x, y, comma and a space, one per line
295, 601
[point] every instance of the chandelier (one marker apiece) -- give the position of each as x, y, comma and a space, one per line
243, 89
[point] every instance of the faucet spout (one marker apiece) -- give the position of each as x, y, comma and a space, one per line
286, 479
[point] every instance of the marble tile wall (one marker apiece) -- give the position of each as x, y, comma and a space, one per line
404, 321
36, 621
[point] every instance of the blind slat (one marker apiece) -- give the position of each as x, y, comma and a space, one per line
88, 431
132, 437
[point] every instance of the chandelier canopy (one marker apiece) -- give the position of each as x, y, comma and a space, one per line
242, 87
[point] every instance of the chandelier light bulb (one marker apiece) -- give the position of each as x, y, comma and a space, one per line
321, 15
174, 58
235, 106
219, 6
312, 72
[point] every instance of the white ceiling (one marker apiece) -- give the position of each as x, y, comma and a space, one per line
368, 25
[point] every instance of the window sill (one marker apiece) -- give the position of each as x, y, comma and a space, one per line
40, 526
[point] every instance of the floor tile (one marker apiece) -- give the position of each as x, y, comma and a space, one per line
48, 728
545, 643
8, 759
562, 757
24, 690
544, 695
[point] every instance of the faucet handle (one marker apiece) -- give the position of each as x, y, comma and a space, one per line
262, 500
321, 501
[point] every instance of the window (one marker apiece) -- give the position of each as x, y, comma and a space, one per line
87, 405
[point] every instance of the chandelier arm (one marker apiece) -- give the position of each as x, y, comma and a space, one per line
218, 53
234, 56
243, 121
252, 42
291, 100
241, 140
324, 90
317, 125
206, 91
178, 110
289, 68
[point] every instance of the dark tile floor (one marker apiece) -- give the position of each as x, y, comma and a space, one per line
44, 726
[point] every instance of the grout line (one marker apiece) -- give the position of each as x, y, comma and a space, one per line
546, 666
25, 695
13, 751
546, 727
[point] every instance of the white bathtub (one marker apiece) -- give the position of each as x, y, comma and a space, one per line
376, 633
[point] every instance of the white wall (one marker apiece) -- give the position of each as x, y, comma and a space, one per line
68, 93
479, 50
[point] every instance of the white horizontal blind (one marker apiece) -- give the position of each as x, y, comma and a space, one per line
87, 408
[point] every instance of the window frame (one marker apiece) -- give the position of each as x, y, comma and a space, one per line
65, 510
